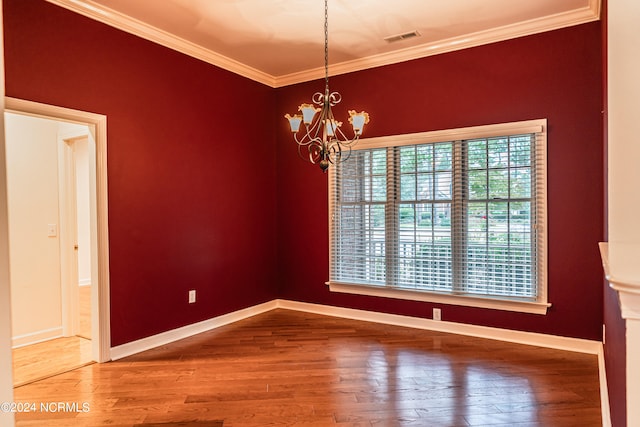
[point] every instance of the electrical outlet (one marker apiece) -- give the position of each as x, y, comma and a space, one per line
192, 296
437, 314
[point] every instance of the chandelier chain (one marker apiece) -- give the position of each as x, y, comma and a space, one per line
326, 44
322, 139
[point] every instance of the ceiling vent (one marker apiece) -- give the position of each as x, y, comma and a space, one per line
399, 37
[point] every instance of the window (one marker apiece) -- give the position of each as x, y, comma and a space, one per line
455, 216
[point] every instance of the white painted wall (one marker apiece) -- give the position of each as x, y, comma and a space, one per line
624, 121
624, 180
32, 187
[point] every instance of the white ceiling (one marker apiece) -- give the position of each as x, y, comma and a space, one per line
280, 42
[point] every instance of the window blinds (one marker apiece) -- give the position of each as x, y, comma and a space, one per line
462, 217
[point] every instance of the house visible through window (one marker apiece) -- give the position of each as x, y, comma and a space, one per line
453, 216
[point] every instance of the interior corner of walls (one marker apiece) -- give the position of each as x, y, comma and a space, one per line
36, 337
163, 338
520, 337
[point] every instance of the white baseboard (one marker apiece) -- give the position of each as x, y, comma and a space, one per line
519, 337
604, 389
163, 338
36, 337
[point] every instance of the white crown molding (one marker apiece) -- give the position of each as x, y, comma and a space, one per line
133, 26
138, 28
521, 29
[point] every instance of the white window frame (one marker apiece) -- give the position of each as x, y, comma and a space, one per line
541, 304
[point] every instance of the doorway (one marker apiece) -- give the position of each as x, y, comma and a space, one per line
70, 208
75, 235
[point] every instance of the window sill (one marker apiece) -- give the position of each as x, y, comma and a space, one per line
463, 300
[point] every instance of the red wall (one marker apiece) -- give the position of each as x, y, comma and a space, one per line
191, 179
555, 75
196, 201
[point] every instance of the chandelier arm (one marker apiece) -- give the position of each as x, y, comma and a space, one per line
344, 140
334, 98
311, 132
300, 151
322, 136
318, 98
316, 151
334, 153
313, 151
341, 138
304, 141
316, 129
343, 157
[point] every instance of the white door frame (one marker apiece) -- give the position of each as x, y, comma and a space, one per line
101, 333
7, 419
69, 230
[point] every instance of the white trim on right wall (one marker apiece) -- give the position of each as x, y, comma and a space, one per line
508, 335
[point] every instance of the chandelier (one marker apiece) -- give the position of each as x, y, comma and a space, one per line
322, 139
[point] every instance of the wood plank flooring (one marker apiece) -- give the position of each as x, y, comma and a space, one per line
37, 361
53, 357
287, 368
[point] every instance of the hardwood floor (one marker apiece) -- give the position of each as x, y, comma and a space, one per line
289, 368
49, 358
53, 357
